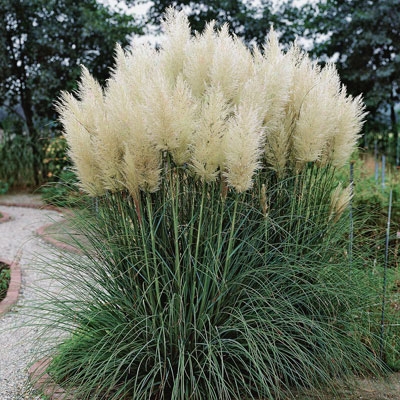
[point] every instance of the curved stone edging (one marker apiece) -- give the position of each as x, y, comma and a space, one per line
42, 381
57, 243
5, 217
13, 288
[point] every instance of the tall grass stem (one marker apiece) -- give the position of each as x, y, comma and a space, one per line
351, 235
384, 288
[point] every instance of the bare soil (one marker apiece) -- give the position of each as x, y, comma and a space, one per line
22, 199
387, 388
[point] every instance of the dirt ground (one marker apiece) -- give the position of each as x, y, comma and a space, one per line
22, 199
380, 389
364, 389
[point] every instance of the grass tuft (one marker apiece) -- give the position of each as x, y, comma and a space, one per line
192, 293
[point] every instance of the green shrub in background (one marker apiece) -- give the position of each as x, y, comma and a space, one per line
4, 279
371, 199
55, 160
4, 186
64, 192
216, 267
371, 196
16, 159
62, 189
392, 318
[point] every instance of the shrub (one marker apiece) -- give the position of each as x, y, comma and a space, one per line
19, 153
3, 187
55, 160
4, 279
64, 192
371, 200
16, 160
216, 264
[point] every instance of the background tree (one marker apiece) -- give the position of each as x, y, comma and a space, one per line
363, 36
249, 20
42, 44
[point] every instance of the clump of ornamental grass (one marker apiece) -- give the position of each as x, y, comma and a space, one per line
215, 267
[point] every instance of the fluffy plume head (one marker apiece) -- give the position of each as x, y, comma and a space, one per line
81, 119
346, 126
231, 65
141, 167
81, 147
213, 105
207, 151
171, 117
243, 146
340, 200
271, 95
177, 37
199, 54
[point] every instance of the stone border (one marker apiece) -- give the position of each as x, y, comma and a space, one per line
5, 217
43, 383
57, 243
13, 288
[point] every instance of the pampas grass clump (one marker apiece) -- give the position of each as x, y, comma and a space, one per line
215, 268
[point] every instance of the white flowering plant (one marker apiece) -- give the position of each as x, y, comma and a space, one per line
215, 268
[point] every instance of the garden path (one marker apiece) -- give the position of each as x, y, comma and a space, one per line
18, 240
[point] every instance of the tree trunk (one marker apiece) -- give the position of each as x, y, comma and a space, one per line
27, 106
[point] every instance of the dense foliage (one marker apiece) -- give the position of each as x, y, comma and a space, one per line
210, 298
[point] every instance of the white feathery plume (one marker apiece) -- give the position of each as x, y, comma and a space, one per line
340, 200
243, 144
314, 130
170, 115
210, 103
277, 73
230, 66
125, 94
80, 143
177, 36
200, 52
271, 95
306, 137
350, 114
185, 110
141, 167
207, 150
104, 141
130, 78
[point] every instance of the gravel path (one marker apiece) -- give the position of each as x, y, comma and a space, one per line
18, 240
